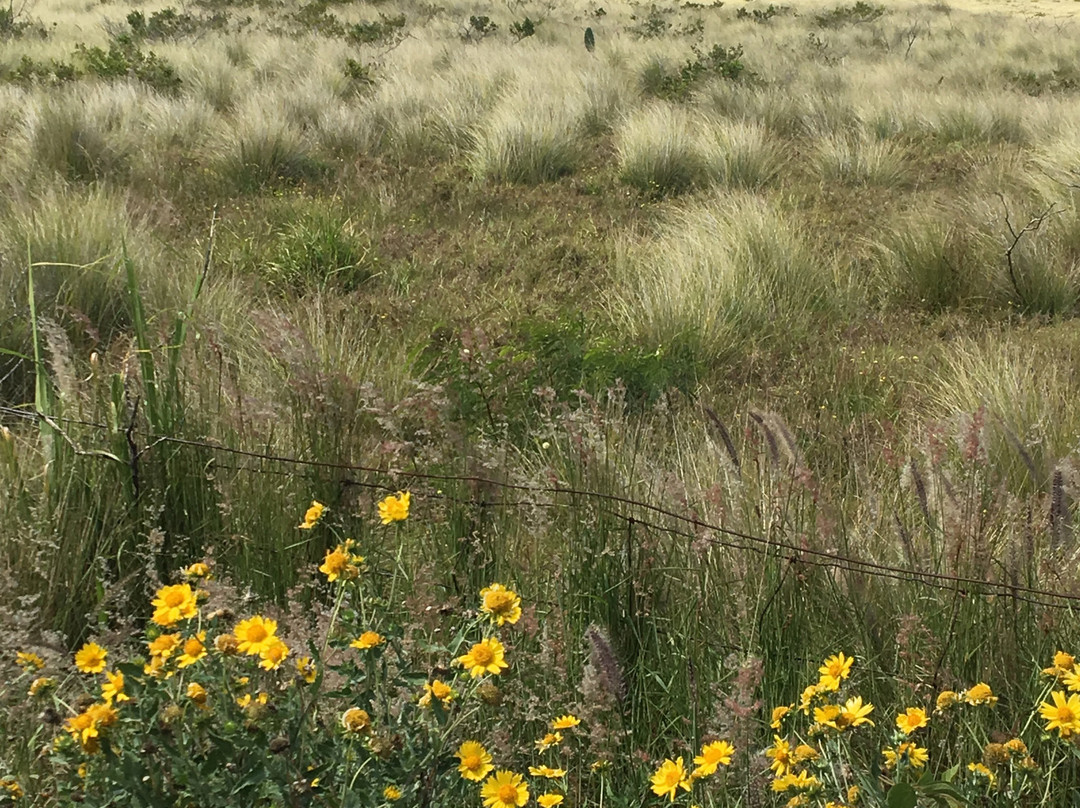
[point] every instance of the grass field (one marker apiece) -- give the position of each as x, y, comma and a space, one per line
740, 339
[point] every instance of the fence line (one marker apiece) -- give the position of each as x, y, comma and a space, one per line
747, 541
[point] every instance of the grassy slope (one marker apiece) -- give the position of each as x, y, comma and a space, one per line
543, 283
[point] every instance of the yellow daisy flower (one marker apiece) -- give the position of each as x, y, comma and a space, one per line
669, 778
1063, 715
549, 800
356, 720
717, 753
568, 721
174, 603
29, 661
273, 655
778, 715
394, 508
911, 719
487, 656
197, 693
312, 515
91, 658
113, 689
255, 635
369, 639
835, 670
475, 761
549, 740
307, 669
502, 605
547, 771
980, 694
505, 789
392, 793
780, 754
193, 650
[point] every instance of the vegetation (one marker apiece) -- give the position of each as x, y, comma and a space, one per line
737, 369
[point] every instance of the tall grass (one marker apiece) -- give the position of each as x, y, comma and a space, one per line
731, 271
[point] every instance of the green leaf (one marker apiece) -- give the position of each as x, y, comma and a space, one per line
902, 795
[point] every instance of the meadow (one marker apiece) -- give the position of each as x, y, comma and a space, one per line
436, 404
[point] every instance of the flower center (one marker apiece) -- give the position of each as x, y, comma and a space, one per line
471, 762
256, 634
483, 654
508, 793
174, 599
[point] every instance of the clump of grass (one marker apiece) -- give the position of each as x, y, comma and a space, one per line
82, 136
734, 269
745, 155
265, 149
528, 143
658, 150
862, 161
935, 260
1026, 391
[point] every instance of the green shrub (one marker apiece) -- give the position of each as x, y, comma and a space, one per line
719, 62
124, 59
860, 12
386, 28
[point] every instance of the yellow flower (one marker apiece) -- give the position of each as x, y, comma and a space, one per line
853, 794
801, 782
717, 753
436, 689
914, 756
163, 645
273, 655
487, 656
394, 508
505, 789
780, 754
392, 793
778, 714
340, 563
369, 639
199, 569
29, 661
193, 650
113, 689
12, 787
86, 725
1063, 664
91, 658
307, 670
669, 778
852, 714
804, 752
40, 685
501, 604
1063, 715
980, 694
1072, 679
568, 721
356, 720
197, 693
174, 603
1016, 747
979, 770
475, 761
911, 719
945, 700
546, 771
312, 515
835, 670
549, 800
807, 697
255, 635
549, 740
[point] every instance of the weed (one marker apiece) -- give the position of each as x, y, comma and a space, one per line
385, 29
525, 28
718, 62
